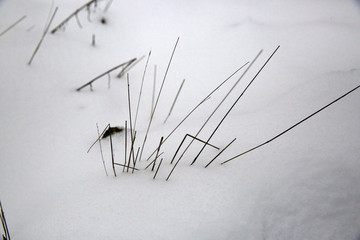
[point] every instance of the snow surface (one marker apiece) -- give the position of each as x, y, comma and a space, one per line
303, 185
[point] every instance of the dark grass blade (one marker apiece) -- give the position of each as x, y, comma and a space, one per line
220, 152
157, 170
153, 161
236, 101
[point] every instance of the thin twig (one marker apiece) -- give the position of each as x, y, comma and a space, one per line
176, 97
102, 156
43, 36
220, 152
157, 99
103, 74
74, 14
13, 25
293, 126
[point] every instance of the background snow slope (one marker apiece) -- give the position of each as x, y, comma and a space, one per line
304, 185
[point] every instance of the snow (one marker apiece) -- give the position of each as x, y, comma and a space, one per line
303, 185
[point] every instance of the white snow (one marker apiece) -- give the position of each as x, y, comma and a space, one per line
303, 185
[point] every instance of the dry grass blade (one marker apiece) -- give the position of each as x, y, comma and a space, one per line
12, 25
220, 152
129, 66
43, 36
157, 170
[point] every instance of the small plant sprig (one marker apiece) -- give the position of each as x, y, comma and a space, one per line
86, 6
105, 73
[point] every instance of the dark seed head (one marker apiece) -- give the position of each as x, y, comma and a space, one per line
103, 20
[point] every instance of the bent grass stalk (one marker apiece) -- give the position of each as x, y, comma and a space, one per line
293, 126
